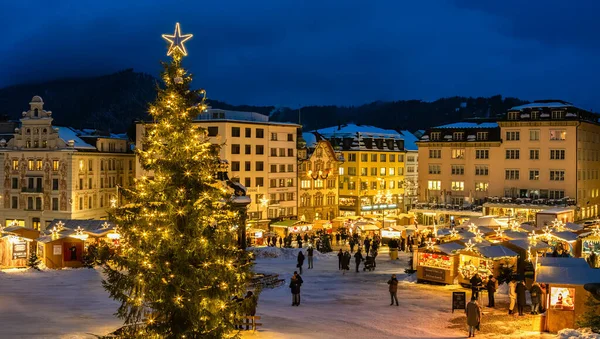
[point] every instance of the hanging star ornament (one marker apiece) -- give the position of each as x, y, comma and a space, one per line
176, 40
596, 231
430, 243
470, 246
499, 233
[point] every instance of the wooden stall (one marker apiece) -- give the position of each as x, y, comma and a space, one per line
439, 264
562, 243
566, 296
546, 217
14, 250
60, 250
527, 252
282, 228
587, 244
485, 260
24, 232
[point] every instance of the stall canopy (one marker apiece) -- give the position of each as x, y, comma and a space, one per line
494, 252
563, 262
515, 235
565, 235
525, 244
574, 227
488, 221
449, 247
568, 275
365, 226
289, 223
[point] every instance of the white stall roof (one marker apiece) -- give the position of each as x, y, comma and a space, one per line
449, 247
566, 235
496, 252
562, 262
567, 275
524, 244
516, 235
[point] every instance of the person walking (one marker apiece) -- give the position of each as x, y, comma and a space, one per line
521, 298
337, 238
352, 245
492, 287
536, 298
476, 283
512, 295
367, 244
346, 262
295, 284
340, 256
249, 305
393, 282
309, 251
280, 242
300, 261
473, 312
358, 258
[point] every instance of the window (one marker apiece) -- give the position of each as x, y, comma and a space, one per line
511, 174
38, 165
512, 135
558, 134
290, 183
458, 169
373, 185
247, 182
89, 183
557, 154
260, 166
435, 169
30, 203
434, 185
247, 166
15, 183
534, 175
273, 152
55, 204
382, 157
14, 203
305, 184
435, 135
364, 171
248, 132
282, 152
247, 149
290, 152
482, 154
260, 133
374, 171
80, 184
273, 183
382, 171
90, 165
274, 136
513, 115
15, 165
235, 149
556, 194
341, 171
90, 206
352, 157
481, 186
435, 153
558, 115
400, 170
318, 183
235, 166
260, 181
364, 185
351, 185
392, 157
557, 175
364, 157
290, 137
235, 132
534, 134
55, 184
273, 168
458, 136
392, 171
482, 136
55, 165
213, 131
458, 186
458, 153
102, 165
331, 183
260, 149
30, 165
512, 154
410, 169
373, 157
351, 170
534, 154
282, 168
400, 157
290, 168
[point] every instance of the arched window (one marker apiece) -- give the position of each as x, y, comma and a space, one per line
44, 131
28, 131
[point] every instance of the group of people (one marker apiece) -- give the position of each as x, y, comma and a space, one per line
300, 259
248, 305
517, 295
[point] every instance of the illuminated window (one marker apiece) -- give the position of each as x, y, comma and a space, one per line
30, 165
318, 183
392, 170
534, 174
458, 153
562, 298
15, 164
55, 165
382, 171
341, 170
38, 165
558, 134
305, 184
364, 171
481, 186
434, 185
458, 186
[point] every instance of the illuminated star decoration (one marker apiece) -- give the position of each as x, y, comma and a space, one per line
547, 232
176, 40
453, 233
470, 246
532, 238
472, 228
514, 226
430, 243
499, 233
596, 231
479, 236
105, 225
60, 225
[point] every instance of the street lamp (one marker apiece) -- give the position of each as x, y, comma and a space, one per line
319, 175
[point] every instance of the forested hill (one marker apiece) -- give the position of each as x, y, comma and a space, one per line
112, 102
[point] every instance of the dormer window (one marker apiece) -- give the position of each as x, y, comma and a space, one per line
36, 113
435, 135
535, 115
513, 116
28, 144
558, 115
28, 131
482, 135
458, 135
36, 144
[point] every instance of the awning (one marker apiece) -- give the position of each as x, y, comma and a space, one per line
567, 275
449, 247
289, 223
495, 252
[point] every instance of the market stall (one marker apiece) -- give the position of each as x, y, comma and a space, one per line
283, 228
561, 243
60, 250
566, 298
588, 244
485, 260
438, 263
14, 250
527, 251
255, 237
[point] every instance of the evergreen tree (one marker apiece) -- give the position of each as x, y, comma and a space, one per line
178, 266
591, 318
33, 261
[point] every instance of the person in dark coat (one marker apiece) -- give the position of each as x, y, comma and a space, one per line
300, 261
473, 311
295, 284
305, 237
367, 244
280, 242
340, 256
536, 298
309, 252
491, 286
521, 299
476, 284
346, 262
352, 245
337, 238
358, 258
393, 282
249, 305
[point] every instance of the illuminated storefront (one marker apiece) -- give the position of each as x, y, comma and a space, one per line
438, 263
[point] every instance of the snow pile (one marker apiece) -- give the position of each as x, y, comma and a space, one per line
582, 333
410, 278
283, 253
502, 289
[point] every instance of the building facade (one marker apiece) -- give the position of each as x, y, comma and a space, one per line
262, 156
53, 172
371, 178
318, 172
539, 156
411, 173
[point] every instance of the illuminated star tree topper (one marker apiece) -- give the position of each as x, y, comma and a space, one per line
176, 40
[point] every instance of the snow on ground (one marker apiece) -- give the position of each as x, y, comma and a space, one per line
71, 303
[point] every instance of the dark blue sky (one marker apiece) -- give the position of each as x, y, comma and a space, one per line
275, 52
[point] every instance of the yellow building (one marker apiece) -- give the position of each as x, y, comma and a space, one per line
541, 155
371, 178
53, 172
318, 172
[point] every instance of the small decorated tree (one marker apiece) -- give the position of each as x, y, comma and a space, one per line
33, 261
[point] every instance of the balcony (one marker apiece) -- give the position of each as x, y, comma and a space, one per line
32, 190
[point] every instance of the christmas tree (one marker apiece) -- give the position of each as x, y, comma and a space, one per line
33, 261
178, 266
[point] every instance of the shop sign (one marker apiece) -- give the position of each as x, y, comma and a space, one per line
347, 202
57, 250
390, 234
434, 274
378, 207
459, 301
20, 250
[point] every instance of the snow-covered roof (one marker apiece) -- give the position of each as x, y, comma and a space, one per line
409, 141
515, 234
449, 247
573, 226
562, 262
567, 275
557, 210
565, 235
525, 244
541, 105
67, 133
497, 251
470, 125
363, 129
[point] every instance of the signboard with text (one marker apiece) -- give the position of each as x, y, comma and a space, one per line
20, 250
459, 301
434, 274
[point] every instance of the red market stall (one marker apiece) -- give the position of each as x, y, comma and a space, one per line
438, 263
